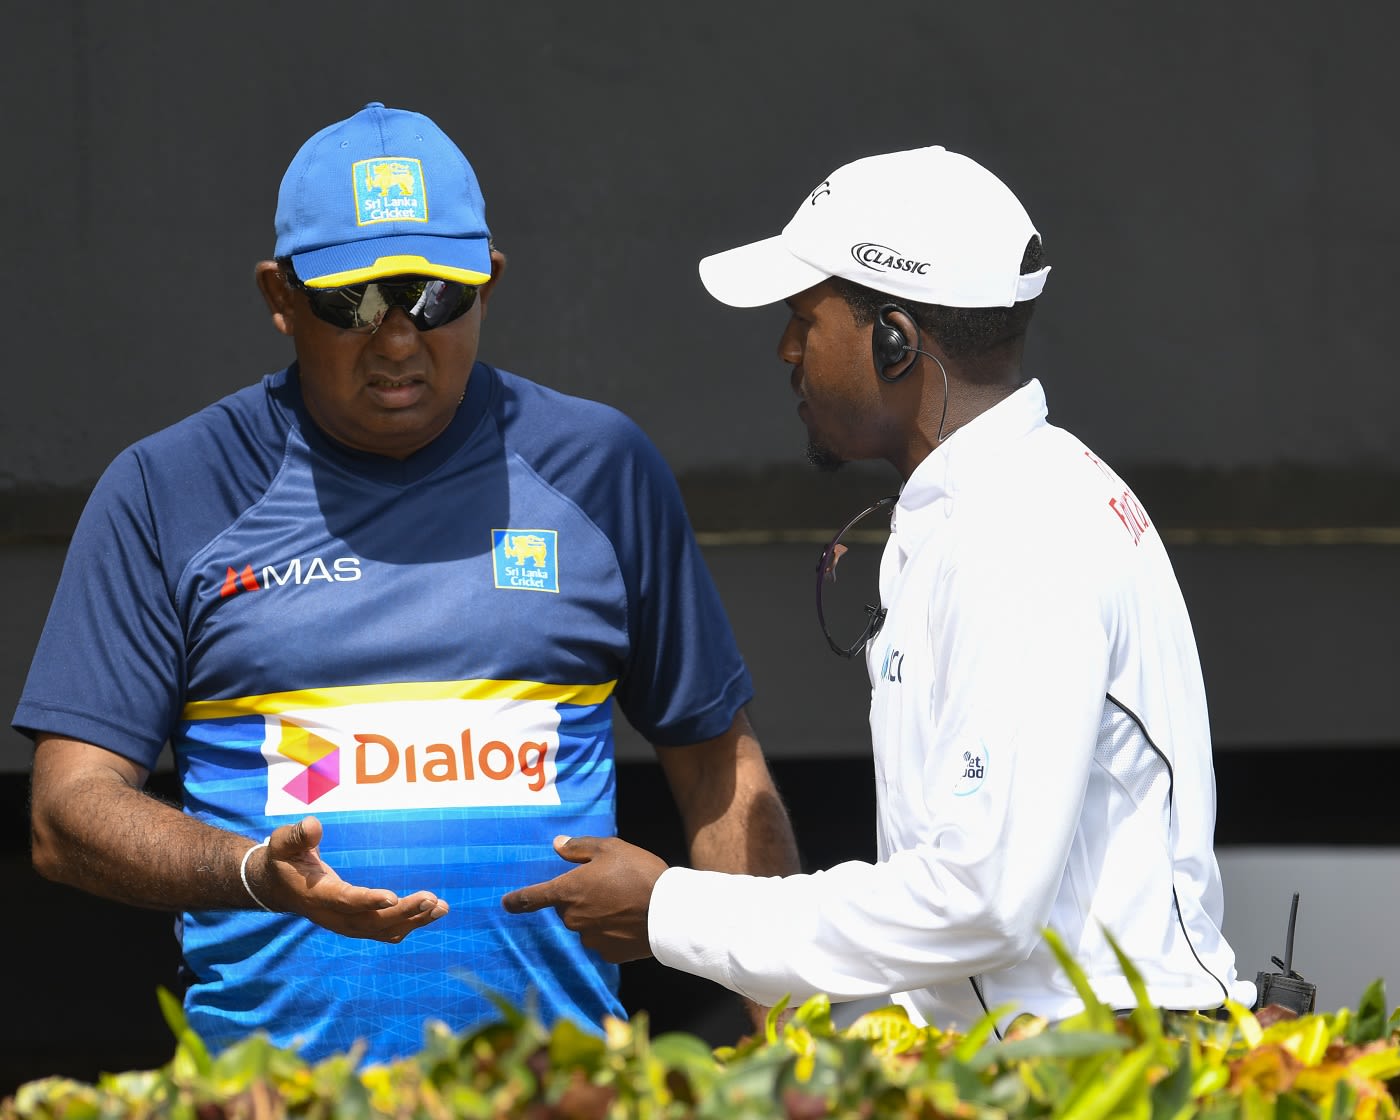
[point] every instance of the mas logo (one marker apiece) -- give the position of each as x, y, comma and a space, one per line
526, 559
412, 755
315, 569
389, 189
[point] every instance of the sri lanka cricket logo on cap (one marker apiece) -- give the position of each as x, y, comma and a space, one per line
526, 559
389, 189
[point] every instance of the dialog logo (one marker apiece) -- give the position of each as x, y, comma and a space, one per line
418, 754
526, 559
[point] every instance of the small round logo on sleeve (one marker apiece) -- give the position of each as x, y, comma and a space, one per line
973, 773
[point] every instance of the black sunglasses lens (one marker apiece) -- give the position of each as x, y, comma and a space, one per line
340, 307
440, 302
361, 307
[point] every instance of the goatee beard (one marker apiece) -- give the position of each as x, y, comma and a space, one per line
822, 458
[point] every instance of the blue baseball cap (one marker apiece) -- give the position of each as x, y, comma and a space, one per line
383, 193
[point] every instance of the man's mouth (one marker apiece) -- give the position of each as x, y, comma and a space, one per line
393, 382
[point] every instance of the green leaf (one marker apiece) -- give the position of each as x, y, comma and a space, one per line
1343, 1101
1128, 1077
192, 1058
173, 1011
1097, 1015
1171, 1097
570, 1045
982, 1030
815, 1015
1145, 1017
1254, 1105
770, 1021
685, 1052
1369, 1023
1290, 1106
1050, 1044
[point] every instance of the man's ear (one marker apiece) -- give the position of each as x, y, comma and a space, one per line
498, 269
276, 293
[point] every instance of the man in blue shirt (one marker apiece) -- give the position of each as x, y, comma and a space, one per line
380, 606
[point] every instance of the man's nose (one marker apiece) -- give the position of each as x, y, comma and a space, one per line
790, 345
396, 336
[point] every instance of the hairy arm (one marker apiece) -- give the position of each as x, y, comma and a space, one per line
733, 817
94, 827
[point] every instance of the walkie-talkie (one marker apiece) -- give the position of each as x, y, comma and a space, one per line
1286, 988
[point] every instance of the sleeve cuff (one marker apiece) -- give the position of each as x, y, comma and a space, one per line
695, 919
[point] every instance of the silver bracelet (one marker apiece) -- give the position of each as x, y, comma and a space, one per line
243, 874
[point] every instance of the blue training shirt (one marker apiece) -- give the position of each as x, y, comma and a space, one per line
423, 653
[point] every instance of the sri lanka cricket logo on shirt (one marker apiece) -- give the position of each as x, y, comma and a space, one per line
526, 559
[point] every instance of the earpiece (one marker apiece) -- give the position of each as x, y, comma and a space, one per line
888, 344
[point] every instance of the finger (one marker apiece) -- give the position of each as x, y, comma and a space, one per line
407, 915
526, 900
424, 907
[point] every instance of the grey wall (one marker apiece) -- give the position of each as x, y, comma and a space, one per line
1213, 181
1214, 184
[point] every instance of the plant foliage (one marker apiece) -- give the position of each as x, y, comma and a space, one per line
1148, 1065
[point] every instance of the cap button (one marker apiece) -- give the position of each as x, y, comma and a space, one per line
374, 105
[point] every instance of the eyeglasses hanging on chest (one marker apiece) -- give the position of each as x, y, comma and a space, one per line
848, 580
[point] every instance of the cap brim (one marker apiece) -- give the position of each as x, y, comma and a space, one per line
756, 274
466, 259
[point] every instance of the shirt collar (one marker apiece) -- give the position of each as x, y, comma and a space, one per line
927, 495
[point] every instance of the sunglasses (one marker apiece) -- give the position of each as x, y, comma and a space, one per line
429, 303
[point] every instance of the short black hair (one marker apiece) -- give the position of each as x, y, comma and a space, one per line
963, 333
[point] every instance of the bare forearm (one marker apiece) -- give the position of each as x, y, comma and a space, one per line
734, 818
94, 828
753, 838
100, 834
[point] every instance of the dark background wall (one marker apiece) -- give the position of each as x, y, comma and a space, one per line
1214, 184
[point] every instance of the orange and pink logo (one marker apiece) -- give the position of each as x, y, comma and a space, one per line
412, 755
320, 757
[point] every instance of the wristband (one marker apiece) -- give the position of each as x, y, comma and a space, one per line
243, 874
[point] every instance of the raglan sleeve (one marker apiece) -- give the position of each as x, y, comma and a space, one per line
108, 666
685, 678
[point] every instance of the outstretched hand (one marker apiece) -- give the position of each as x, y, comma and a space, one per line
605, 899
294, 878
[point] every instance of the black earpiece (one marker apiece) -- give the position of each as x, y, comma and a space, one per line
888, 344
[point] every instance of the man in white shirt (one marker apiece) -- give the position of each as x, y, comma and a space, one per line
1038, 720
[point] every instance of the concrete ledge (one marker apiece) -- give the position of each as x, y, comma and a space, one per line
1281, 503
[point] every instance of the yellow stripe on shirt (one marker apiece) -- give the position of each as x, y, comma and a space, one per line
274, 703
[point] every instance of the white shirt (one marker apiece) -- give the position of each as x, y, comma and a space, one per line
1042, 758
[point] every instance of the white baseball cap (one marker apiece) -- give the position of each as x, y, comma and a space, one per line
926, 225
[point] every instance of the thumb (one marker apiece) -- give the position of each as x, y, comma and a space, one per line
296, 839
575, 849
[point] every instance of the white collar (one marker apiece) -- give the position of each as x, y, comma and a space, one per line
961, 458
